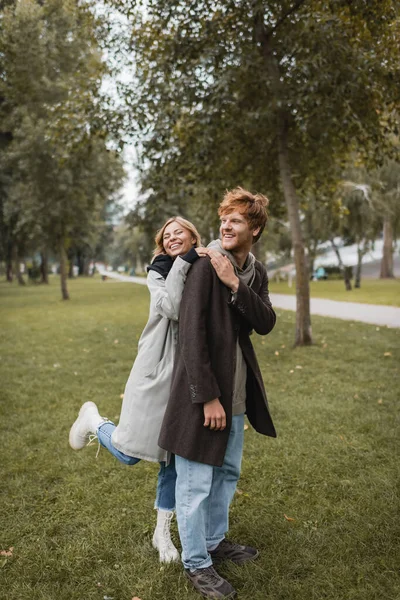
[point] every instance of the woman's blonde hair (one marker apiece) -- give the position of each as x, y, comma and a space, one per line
159, 249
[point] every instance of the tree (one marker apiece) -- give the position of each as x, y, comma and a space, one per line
264, 94
62, 168
388, 191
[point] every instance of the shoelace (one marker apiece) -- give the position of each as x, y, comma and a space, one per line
93, 437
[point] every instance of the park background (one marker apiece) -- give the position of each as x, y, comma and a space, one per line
115, 116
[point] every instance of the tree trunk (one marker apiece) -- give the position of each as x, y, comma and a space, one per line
345, 271
44, 267
70, 269
79, 261
71, 263
63, 270
17, 262
303, 335
311, 256
9, 265
360, 254
387, 258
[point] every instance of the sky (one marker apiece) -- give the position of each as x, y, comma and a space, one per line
130, 190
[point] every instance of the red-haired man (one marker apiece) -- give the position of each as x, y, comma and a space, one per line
216, 381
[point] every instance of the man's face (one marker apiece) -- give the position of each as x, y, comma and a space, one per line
235, 232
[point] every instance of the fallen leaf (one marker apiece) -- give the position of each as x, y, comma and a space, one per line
356, 396
380, 401
115, 341
135, 598
121, 395
56, 365
387, 354
377, 329
276, 353
245, 427
86, 350
291, 371
239, 492
283, 346
299, 367
105, 329
289, 518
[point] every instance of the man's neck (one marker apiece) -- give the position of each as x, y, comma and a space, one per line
240, 255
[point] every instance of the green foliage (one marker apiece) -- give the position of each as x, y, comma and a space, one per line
207, 106
61, 169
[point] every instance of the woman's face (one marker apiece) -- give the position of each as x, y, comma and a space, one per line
177, 240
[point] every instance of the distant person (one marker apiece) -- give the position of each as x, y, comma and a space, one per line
147, 390
216, 381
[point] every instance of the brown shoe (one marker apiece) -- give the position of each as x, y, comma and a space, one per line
236, 553
210, 584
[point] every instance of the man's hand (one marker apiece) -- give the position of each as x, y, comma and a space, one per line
225, 271
214, 415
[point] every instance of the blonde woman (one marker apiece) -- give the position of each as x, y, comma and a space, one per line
147, 390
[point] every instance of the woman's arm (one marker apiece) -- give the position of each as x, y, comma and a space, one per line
166, 294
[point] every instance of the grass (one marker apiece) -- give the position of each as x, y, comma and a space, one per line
81, 527
372, 291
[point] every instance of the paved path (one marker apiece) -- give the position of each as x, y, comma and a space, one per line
349, 311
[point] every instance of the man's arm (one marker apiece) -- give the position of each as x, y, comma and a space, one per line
255, 308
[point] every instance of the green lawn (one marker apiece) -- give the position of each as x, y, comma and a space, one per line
80, 527
372, 291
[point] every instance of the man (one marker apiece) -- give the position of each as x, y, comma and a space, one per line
216, 379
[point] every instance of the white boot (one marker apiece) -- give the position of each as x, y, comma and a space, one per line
86, 424
162, 537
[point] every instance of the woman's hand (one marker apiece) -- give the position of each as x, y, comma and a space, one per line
214, 415
225, 271
202, 251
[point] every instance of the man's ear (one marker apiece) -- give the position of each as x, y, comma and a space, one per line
256, 231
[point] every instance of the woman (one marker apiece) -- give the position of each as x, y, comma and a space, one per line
147, 390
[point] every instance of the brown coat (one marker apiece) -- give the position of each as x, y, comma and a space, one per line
209, 325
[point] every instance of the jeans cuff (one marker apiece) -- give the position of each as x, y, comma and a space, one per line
212, 543
201, 565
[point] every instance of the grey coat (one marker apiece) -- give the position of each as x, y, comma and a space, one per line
148, 387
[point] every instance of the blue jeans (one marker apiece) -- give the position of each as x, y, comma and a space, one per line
203, 496
165, 496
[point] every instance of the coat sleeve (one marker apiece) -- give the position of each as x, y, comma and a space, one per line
166, 294
193, 341
256, 308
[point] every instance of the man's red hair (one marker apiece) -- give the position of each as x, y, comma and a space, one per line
252, 206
